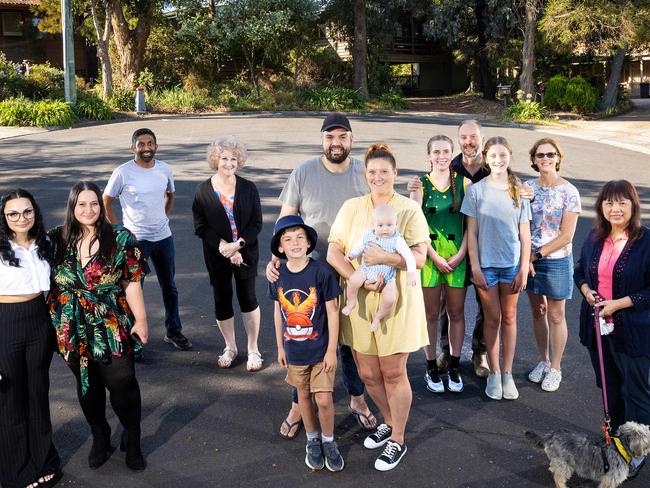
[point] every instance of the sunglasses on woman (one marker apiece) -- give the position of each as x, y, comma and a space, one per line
549, 155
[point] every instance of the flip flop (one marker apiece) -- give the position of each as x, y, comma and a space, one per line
290, 426
360, 416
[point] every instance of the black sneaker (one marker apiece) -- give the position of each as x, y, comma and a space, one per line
138, 355
379, 437
314, 458
333, 458
178, 340
390, 458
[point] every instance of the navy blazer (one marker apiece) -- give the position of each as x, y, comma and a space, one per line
631, 278
211, 225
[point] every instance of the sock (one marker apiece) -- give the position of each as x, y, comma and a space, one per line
327, 438
454, 362
432, 365
313, 435
637, 460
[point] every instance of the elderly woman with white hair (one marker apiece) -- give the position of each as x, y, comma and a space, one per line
228, 217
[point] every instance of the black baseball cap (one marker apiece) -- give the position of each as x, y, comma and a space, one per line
336, 121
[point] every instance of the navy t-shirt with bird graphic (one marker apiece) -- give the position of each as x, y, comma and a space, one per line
302, 297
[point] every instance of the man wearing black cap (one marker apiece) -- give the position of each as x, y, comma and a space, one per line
315, 190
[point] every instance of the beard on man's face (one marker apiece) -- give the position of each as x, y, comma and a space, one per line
336, 154
146, 156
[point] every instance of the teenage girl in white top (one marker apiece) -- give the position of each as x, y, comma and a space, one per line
27, 456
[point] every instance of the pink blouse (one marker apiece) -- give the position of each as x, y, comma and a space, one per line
608, 257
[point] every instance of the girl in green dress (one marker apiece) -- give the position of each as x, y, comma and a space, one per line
440, 197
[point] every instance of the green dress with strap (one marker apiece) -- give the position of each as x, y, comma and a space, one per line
446, 229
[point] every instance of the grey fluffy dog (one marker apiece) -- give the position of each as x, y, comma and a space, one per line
571, 452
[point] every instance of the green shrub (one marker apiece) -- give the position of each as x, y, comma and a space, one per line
47, 81
179, 100
393, 100
122, 99
580, 96
525, 111
333, 99
21, 111
554, 91
90, 106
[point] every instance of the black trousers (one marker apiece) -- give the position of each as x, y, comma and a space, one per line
119, 378
628, 384
27, 342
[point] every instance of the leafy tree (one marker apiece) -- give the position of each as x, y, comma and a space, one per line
360, 50
261, 29
531, 10
599, 26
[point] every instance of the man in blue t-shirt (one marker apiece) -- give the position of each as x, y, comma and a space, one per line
306, 317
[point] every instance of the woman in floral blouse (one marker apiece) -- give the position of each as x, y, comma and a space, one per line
98, 312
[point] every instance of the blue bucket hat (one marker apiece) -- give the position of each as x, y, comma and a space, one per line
291, 221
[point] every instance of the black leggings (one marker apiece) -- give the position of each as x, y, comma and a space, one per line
119, 378
222, 291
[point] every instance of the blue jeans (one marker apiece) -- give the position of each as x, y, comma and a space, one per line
351, 379
162, 256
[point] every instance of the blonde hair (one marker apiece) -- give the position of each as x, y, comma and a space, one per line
514, 183
384, 210
452, 173
380, 151
226, 143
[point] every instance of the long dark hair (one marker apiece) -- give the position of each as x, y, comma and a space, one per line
616, 190
72, 231
37, 232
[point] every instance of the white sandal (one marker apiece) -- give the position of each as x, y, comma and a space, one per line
254, 363
225, 361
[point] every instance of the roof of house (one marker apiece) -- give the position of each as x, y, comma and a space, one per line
19, 3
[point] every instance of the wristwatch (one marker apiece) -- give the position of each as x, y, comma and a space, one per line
538, 255
242, 242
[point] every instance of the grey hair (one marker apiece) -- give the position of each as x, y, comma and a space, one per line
226, 143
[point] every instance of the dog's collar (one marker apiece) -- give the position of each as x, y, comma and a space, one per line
621, 449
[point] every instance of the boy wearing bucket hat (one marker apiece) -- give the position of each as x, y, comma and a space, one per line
307, 327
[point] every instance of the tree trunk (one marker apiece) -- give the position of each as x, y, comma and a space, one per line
527, 78
103, 37
486, 73
609, 97
131, 44
360, 50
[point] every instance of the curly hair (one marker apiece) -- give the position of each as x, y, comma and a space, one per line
37, 231
72, 232
227, 143
380, 151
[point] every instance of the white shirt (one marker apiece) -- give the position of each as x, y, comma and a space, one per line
31, 276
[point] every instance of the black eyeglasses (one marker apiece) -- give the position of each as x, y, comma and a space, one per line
549, 155
27, 214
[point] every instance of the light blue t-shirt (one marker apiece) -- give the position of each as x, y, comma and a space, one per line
142, 194
497, 220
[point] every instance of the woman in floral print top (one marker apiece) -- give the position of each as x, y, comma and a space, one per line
98, 312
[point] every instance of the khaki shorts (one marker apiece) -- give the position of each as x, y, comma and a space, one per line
311, 377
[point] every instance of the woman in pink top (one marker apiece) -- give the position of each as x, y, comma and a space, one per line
615, 266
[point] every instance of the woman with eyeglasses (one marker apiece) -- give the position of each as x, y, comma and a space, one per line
555, 209
27, 455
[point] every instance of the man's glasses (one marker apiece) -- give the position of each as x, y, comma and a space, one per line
27, 214
549, 155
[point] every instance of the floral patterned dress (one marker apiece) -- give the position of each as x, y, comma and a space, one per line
88, 306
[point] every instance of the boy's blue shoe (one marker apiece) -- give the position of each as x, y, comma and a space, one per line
333, 459
314, 458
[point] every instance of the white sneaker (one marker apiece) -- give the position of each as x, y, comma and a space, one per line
537, 374
552, 380
455, 383
494, 388
510, 391
434, 383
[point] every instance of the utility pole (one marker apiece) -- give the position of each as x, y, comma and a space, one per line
70, 86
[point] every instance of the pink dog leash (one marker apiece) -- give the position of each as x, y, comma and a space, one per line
606, 425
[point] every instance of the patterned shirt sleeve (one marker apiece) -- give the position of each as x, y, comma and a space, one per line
129, 255
572, 203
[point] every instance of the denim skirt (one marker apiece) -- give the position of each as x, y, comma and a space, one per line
553, 278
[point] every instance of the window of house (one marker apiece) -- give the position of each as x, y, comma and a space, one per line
12, 24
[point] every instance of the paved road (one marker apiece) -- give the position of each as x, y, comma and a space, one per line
203, 426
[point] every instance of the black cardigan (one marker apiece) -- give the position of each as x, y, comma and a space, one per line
631, 278
211, 225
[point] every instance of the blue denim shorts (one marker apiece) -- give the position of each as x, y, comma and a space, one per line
553, 278
499, 275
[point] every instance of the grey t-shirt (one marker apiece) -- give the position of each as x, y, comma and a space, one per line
142, 194
318, 195
498, 221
